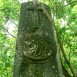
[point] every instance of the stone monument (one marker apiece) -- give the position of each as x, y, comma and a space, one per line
36, 46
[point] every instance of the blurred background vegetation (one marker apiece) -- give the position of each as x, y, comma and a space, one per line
64, 14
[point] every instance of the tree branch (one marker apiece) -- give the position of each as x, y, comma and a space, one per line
65, 72
7, 30
9, 33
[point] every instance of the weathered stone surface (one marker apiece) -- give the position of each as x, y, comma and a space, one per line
36, 48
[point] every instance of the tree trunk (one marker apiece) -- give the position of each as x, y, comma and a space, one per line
36, 48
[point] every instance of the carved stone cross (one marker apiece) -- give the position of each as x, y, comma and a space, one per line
36, 47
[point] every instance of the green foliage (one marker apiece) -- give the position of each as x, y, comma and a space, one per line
67, 32
7, 49
10, 8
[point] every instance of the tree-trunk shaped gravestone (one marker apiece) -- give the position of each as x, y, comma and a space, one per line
36, 47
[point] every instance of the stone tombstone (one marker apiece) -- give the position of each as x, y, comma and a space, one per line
36, 47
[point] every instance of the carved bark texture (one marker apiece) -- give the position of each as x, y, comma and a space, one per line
36, 47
